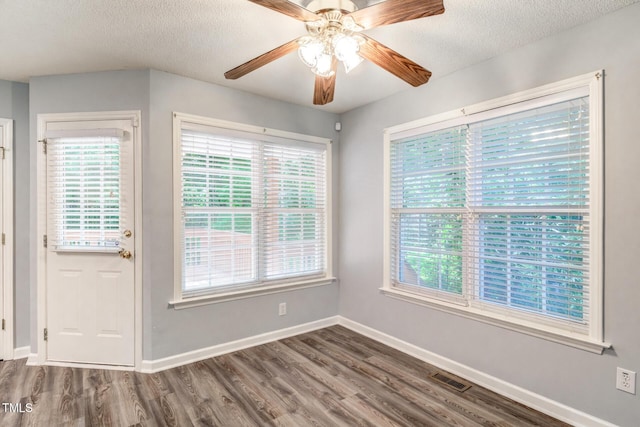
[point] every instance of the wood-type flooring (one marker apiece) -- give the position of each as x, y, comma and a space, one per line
329, 377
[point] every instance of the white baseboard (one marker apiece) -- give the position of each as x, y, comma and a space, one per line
21, 352
151, 366
528, 398
33, 360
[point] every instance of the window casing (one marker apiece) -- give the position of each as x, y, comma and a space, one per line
252, 209
494, 211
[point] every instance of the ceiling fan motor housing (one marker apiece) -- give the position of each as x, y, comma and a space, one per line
320, 6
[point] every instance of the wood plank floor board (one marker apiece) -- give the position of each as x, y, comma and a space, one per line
257, 409
137, 410
218, 408
100, 406
254, 375
154, 385
297, 407
368, 413
331, 377
319, 378
394, 402
309, 391
324, 391
415, 370
415, 391
12, 380
168, 411
350, 371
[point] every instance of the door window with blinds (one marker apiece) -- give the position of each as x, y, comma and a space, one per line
497, 212
252, 207
84, 189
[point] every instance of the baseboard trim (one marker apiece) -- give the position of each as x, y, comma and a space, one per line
152, 366
528, 398
32, 359
21, 352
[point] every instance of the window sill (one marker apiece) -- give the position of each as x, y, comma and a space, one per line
181, 303
570, 339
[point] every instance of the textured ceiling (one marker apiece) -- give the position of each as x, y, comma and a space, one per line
204, 38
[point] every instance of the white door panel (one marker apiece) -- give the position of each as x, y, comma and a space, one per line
90, 219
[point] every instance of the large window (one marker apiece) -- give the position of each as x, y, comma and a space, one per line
252, 208
495, 210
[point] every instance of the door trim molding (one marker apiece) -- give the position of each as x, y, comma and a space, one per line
7, 227
42, 120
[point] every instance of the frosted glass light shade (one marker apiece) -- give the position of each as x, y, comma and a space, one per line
309, 50
323, 65
345, 47
352, 62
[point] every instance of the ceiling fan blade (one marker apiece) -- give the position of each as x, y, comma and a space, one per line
325, 87
261, 60
392, 11
288, 8
393, 62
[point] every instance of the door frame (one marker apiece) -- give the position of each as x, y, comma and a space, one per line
43, 119
7, 229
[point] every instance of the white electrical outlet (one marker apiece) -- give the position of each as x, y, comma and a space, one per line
282, 309
626, 380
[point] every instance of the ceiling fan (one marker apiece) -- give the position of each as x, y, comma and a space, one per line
334, 35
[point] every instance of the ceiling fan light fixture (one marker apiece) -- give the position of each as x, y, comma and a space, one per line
310, 50
352, 62
346, 49
323, 66
331, 36
318, 26
349, 24
345, 46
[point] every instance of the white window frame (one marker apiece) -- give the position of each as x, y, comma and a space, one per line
590, 84
181, 301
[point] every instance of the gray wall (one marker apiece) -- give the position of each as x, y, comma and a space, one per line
166, 331
14, 104
576, 378
176, 331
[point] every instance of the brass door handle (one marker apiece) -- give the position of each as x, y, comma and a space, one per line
124, 254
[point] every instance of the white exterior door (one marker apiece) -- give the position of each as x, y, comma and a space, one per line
90, 274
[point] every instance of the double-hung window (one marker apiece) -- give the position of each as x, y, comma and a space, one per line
252, 208
494, 211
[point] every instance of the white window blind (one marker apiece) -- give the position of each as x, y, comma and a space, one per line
495, 211
428, 202
529, 198
84, 193
253, 209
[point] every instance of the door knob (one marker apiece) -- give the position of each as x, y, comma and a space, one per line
124, 254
